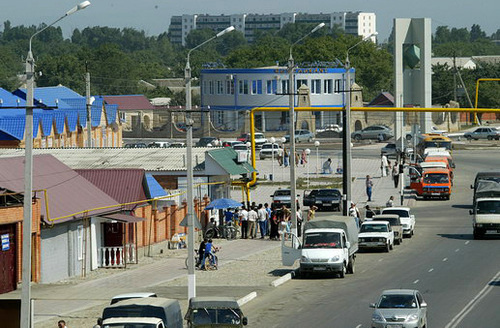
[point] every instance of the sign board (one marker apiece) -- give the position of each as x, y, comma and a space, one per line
5, 242
242, 156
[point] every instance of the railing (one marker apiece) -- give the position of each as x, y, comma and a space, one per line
117, 256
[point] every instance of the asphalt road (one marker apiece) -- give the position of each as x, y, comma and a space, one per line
457, 275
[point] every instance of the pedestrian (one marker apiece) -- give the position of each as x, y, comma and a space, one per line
327, 166
201, 251
243, 215
299, 221
228, 216
269, 217
279, 158
303, 158
206, 253
285, 157
312, 213
274, 234
383, 165
284, 222
388, 171
390, 202
252, 220
354, 212
61, 324
369, 186
263, 217
369, 213
395, 175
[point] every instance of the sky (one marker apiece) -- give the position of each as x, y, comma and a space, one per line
153, 16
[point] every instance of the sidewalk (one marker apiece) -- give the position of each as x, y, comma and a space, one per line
247, 267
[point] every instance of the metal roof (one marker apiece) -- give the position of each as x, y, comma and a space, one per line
149, 159
124, 185
227, 157
67, 192
129, 102
49, 95
9, 99
154, 188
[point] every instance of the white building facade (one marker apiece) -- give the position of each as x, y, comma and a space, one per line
230, 93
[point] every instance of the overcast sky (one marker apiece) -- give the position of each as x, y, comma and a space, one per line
153, 16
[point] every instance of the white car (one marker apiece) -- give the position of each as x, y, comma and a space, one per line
376, 234
268, 149
407, 219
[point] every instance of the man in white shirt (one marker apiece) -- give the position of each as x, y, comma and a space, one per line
263, 217
252, 219
243, 215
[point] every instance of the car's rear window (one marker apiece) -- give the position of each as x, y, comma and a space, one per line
327, 192
282, 193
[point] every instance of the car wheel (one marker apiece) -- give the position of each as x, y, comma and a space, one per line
391, 246
387, 248
357, 137
342, 273
396, 242
478, 233
310, 139
350, 266
468, 138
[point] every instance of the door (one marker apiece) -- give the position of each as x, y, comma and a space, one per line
8, 258
290, 249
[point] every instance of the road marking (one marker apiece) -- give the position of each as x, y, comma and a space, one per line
430, 270
416, 281
445, 259
380, 260
359, 326
475, 301
468, 241
457, 250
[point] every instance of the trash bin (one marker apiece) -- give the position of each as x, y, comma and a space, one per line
271, 177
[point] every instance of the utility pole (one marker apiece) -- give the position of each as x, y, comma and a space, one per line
88, 105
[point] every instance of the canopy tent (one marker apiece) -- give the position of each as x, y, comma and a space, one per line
222, 203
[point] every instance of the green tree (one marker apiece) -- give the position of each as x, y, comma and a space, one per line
476, 33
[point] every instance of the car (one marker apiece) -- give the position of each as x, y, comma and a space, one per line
407, 219
375, 132
301, 135
489, 133
159, 144
259, 138
389, 150
177, 144
268, 149
214, 311
395, 223
231, 143
205, 141
329, 199
122, 297
136, 145
376, 234
281, 197
403, 308
330, 127
243, 148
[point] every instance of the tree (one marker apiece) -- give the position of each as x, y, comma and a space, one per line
442, 35
476, 33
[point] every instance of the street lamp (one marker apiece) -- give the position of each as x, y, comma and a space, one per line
273, 140
291, 88
189, 167
28, 174
308, 151
346, 154
316, 144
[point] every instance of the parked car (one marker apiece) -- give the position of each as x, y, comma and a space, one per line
231, 143
178, 144
159, 144
403, 308
395, 223
205, 141
122, 297
330, 199
389, 150
407, 219
135, 145
330, 127
376, 132
281, 197
301, 135
268, 149
243, 148
211, 311
376, 234
259, 138
489, 133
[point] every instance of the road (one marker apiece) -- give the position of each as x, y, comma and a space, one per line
456, 274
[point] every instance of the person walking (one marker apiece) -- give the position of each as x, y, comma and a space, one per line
285, 157
390, 202
303, 159
252, 220
311, 213
395, 174
243, 215
262, 214
299, 221
61, 324
369, 186
369, 213
327, 166
354, 212
274, 233
383, 165
269, 217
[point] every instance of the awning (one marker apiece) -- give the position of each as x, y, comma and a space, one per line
123, 217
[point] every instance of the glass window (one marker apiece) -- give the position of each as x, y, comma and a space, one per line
211, 87
284, 86
243, 87
300, 82
328, 86
338, 84
259, 87
316, 86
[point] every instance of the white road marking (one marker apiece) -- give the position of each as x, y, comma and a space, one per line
431, 269
457, 250
475, 301
445, 259
380, 260
416, 281
359, 326
468, 241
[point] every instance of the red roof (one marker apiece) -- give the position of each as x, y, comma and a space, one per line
124, 185
67, 191
131, 102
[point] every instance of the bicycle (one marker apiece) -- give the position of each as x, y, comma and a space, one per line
211, 261
196, 260
227, 231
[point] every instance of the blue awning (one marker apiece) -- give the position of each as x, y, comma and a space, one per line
154, 188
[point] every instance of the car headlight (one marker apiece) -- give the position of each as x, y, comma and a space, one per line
304, 258
412, 317
335, 258
377, 317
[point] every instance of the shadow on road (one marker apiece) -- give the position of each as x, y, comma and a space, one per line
462, 206
280, 272
456, 236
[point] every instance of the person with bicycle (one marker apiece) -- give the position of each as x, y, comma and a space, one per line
201, 251
209, 253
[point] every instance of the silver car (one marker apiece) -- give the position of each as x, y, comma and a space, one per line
483, 133
377, 132
399, 308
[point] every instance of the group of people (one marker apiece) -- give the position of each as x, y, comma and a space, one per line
284, 158
390, 170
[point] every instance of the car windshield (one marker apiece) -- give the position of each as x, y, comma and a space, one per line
432, 178
401, 213
488, 207
129, 325
214, 316
259, 136
392, 221
322, 240
282, 193
373, 228
397, 302
329, 192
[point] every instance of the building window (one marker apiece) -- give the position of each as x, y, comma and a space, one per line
316, 86
284, 86
211, 87
254, 87
220, 88
338, 85
79, 242
243, 87
328, 86
301, 82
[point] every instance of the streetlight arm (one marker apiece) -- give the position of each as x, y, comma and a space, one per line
218, 35
357, 44
320, 25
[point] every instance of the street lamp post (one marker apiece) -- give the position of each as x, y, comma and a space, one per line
308, 151
291, 89
346, 154
316, 144
273, 140
26, 313
283, 140
189, 167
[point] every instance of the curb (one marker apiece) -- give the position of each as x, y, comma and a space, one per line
282, 280
247, 298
